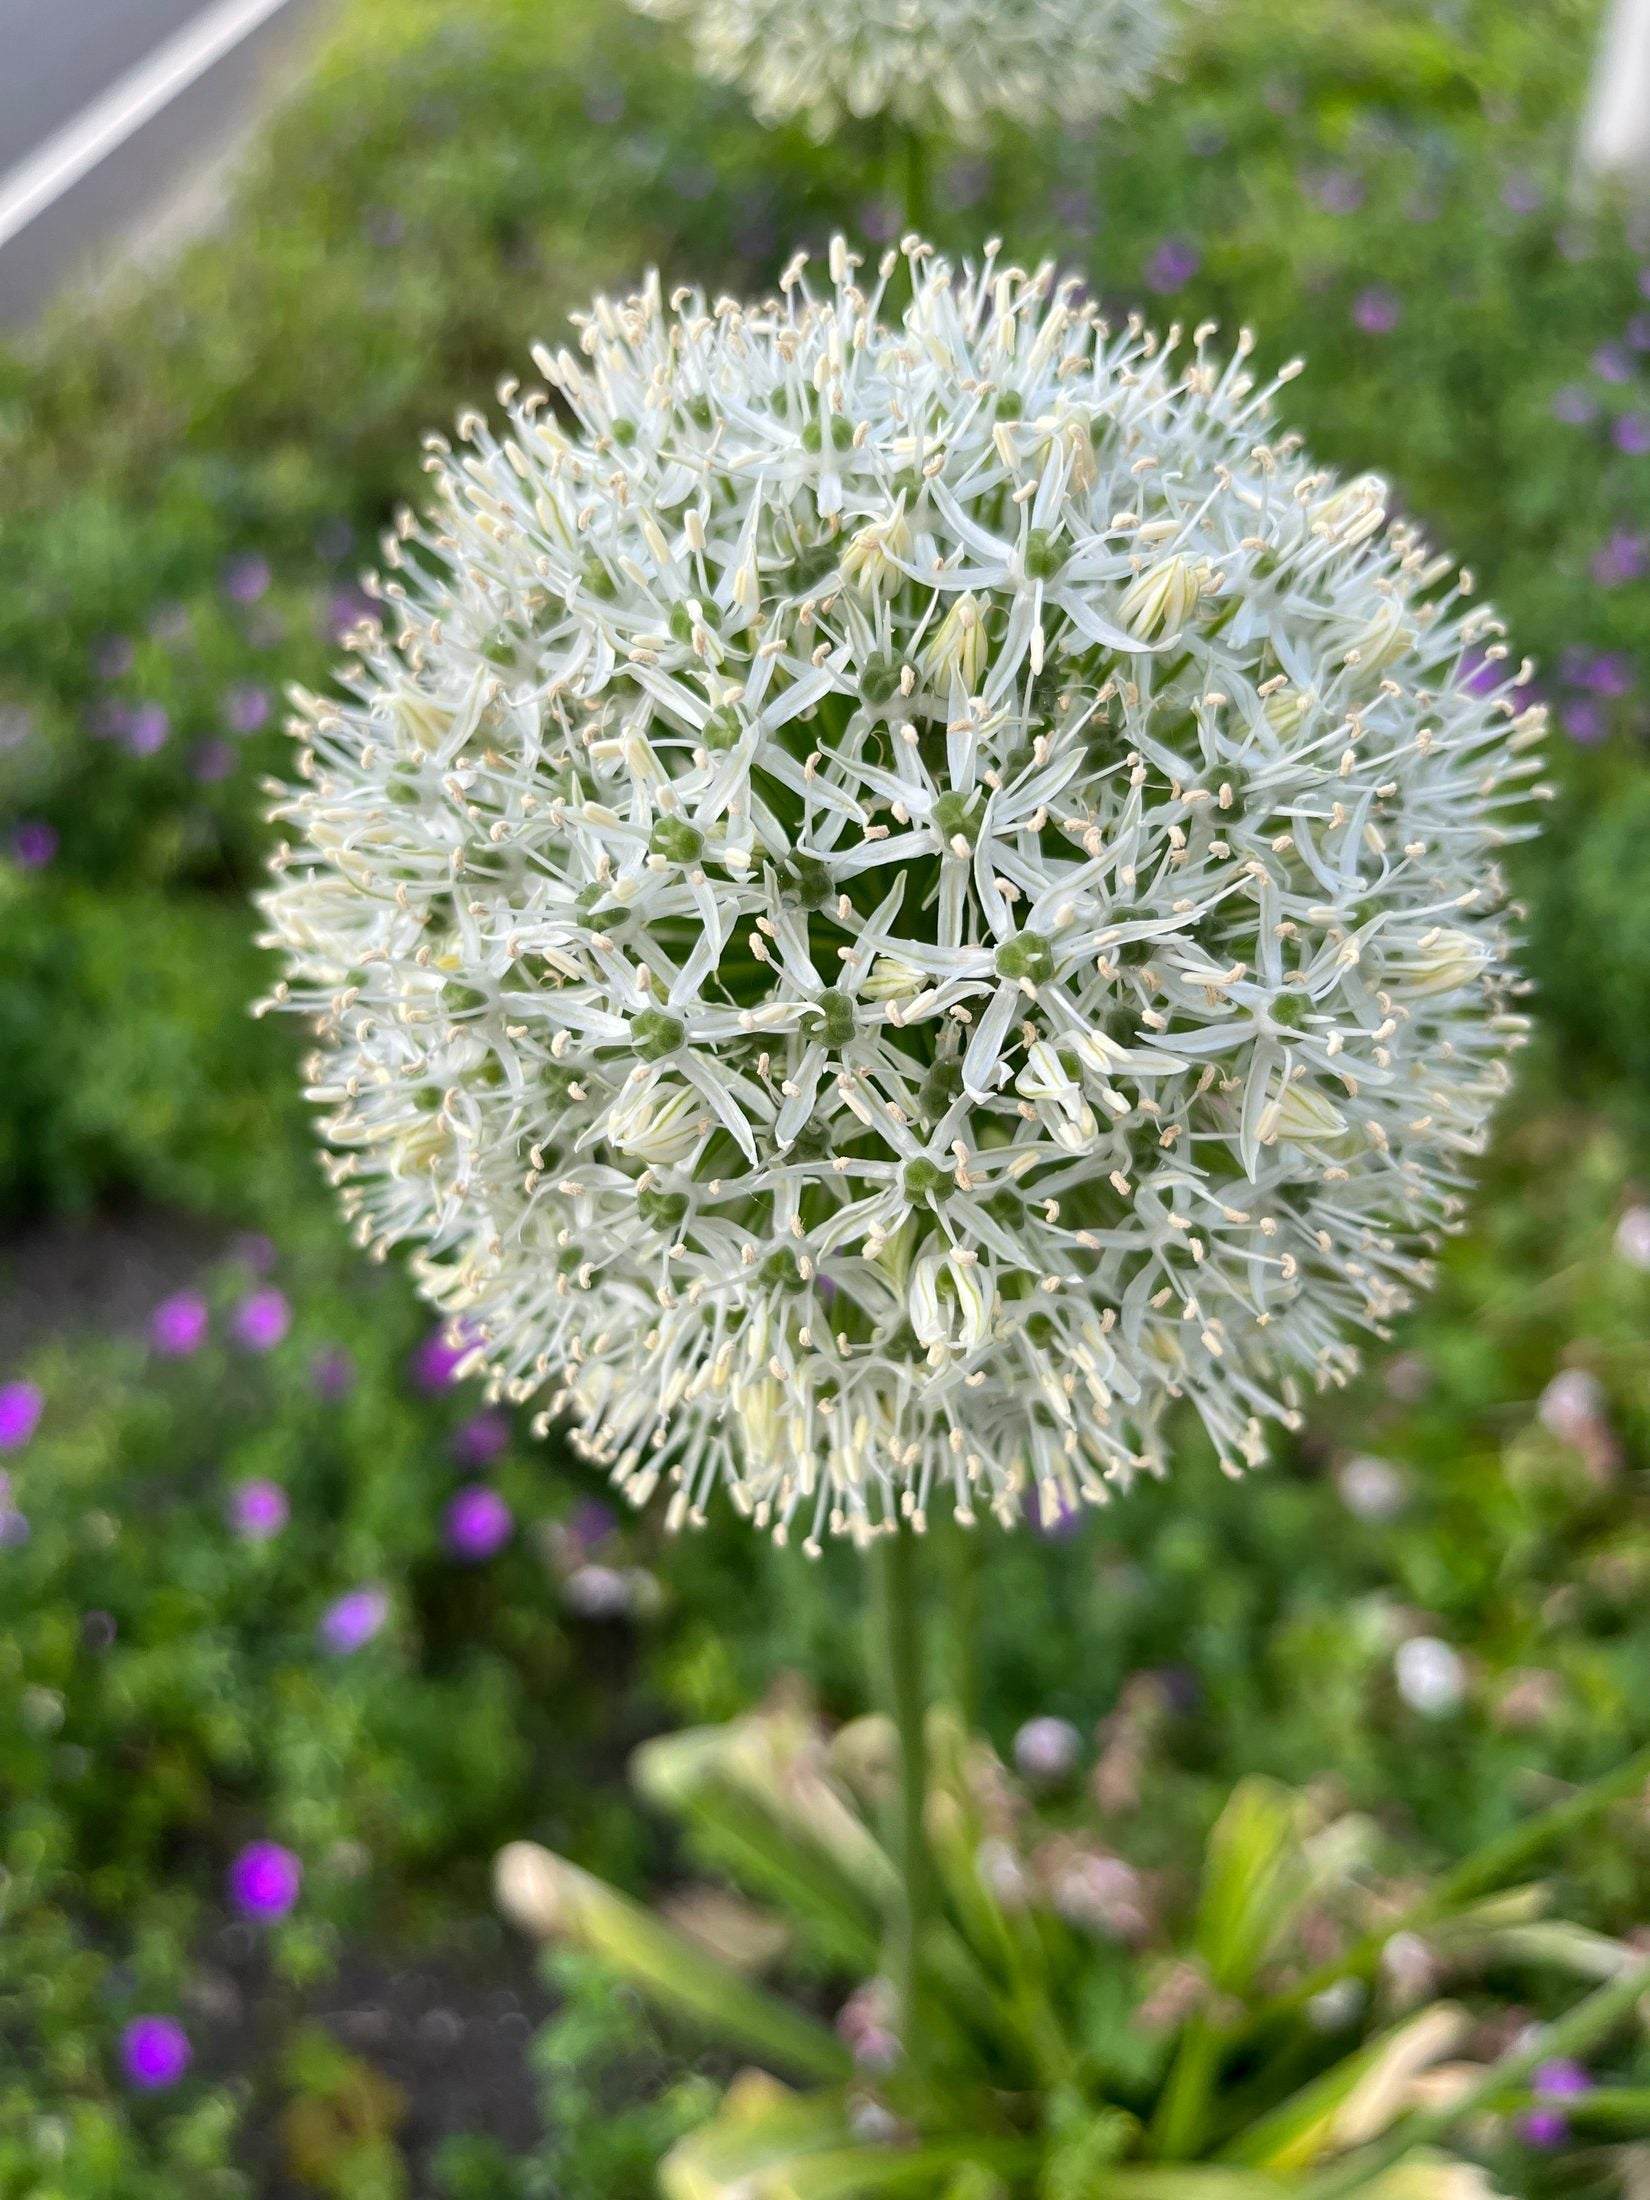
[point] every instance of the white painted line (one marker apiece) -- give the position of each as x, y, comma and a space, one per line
88, 137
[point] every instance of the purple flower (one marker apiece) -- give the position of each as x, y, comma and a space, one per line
14, 1527
246, 708
334, 539
1377, 311
1047, 1749
1600, 671
592, 1522
34, 843
1583, 720
332, 1374
1611, 363
351, 1621
264, 1879
21, 1405
146, 729
1631, 435
1625, 558
479, 1440
262, 1319
178, 1325
1521, 195
345, 609
1338, 190
1052, 1520
879, 220
1638, 332
966, 182
1173, 265
1610, 672
246, 578
113, 657
1481, 674
155, 2052
1074, 210
258, 1509
1574, 406
212, 761
479, 1523
1562, 2080
436, 1363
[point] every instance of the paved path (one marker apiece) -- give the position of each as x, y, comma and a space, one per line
108, 110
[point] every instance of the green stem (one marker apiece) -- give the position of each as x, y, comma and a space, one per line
960, 1553
915, 193
1177, 2129
897, 1664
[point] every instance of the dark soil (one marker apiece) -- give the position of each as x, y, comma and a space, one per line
448, 2027
107, 1272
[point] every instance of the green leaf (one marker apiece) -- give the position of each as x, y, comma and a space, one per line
557, 1901
1255, 1878
768, 2144
1356, 2100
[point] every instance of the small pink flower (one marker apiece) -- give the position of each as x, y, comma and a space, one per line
262, 1319
265, 1879
350, 1622
155, 2052
479, 1523
178, 1325
1377, 311
21, 1405
1173, 265
33, 844
258, 1509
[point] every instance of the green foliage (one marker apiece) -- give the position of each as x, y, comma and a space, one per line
133, 1064
338, 2128
612, 2098
165, 1694
1287, 2059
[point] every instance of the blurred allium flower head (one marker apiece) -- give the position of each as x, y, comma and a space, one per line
968, 61
901, 892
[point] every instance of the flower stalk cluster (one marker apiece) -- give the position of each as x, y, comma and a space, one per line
898, 892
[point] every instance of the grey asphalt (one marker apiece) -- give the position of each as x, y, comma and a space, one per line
56, 57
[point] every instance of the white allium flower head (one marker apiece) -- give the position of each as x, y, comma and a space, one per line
1065, 62
903, 890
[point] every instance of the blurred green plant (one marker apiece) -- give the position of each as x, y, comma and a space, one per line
1089, 2029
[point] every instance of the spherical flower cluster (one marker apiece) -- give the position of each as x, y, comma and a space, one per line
902, 891
1056, 62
